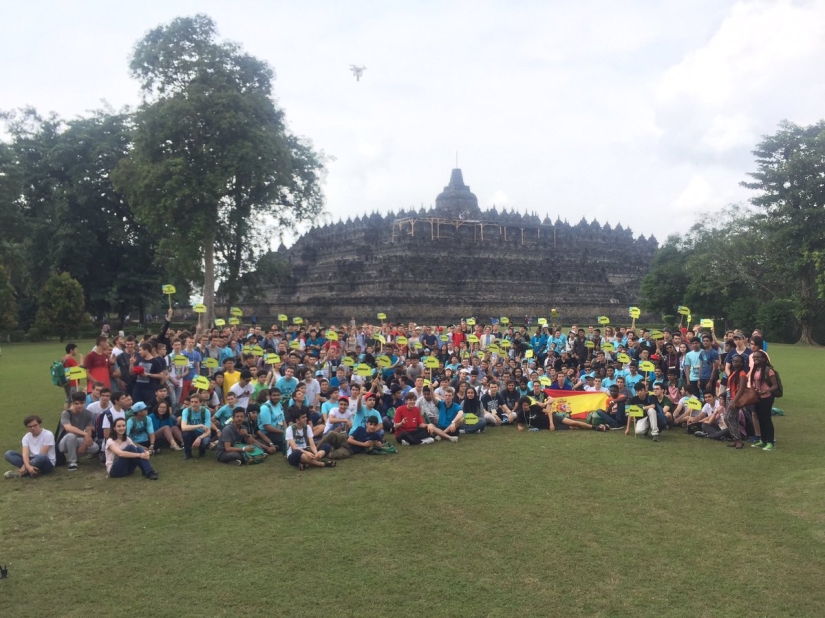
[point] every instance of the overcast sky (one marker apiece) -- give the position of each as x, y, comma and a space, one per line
642, 113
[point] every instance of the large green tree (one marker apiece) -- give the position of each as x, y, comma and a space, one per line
212, 160
790, 180
62, 309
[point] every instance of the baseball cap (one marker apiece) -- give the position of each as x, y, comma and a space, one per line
138, 407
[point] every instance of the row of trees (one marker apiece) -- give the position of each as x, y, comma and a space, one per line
188, 188
761, 265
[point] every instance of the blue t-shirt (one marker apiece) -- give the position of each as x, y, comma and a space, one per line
201, 417
194, 357
271, 415
287, 386
360, 417
707, 358
362, 435
139, 431
746, 357
630, 380
447, 415
224, 415
693, 360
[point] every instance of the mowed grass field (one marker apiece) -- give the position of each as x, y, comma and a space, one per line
502, 524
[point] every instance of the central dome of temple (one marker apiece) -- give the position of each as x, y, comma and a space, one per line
456, 201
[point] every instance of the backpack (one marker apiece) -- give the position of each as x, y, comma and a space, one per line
101, 441
779, 390
59, 456
58, 372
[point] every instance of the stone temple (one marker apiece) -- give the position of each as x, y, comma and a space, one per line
456, 260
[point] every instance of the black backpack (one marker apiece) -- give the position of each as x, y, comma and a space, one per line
779, 390
101, 441
59, 456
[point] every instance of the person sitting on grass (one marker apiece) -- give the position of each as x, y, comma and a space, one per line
77, 426
223, 416
232, 434
38, 456
450, 416
664, 403
338, 414
410, 427
472, 414
271, 419
714, 426
301, 450
650, 421
252, 425
539, 415
140, 429
195, 427
123, 455
364, 439
166, 426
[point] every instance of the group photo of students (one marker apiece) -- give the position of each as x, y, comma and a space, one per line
314, 395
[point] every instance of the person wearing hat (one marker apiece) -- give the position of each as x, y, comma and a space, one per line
740, 349
139, 427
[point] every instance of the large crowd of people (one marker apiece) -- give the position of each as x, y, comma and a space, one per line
318, 395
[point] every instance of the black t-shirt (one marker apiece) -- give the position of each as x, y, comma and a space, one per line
492, 405
534, 418
511, 397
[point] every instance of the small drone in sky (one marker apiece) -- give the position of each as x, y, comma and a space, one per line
357, 71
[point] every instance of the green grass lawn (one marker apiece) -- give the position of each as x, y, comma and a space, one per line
548, 524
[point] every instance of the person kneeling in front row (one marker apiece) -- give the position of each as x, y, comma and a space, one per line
123, 455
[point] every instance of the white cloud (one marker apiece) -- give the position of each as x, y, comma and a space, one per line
635, 112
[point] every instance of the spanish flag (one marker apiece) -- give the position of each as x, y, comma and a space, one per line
578, 404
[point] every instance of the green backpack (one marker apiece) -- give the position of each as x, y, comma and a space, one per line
59, 374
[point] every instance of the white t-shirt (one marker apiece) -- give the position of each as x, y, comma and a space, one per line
243, 393
36, 444
313, 390
110, 455
115, 415
300, 439
338, 416
96, 410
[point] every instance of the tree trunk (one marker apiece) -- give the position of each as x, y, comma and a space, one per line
807, 336
207, 319
811, 304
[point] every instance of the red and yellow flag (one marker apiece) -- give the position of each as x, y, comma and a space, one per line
578, 404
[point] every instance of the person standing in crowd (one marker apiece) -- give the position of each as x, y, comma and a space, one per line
765, 383
98, 364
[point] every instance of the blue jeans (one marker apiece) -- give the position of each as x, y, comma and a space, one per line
606, 419
481, 424
41, 462
125, 466
189, 438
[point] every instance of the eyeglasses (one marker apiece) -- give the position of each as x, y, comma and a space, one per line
33, 426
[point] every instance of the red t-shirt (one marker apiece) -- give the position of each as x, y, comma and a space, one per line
407, 419
97, 368
70, 361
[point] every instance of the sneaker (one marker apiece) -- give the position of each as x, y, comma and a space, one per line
426, 441
186, 456
759, 444
437, 438
533, 429
462, 431
656, 438
152, 476
238, 462
12, 474
453, 438
769, 447
700, 434
405, 443
72, 467
754, 439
